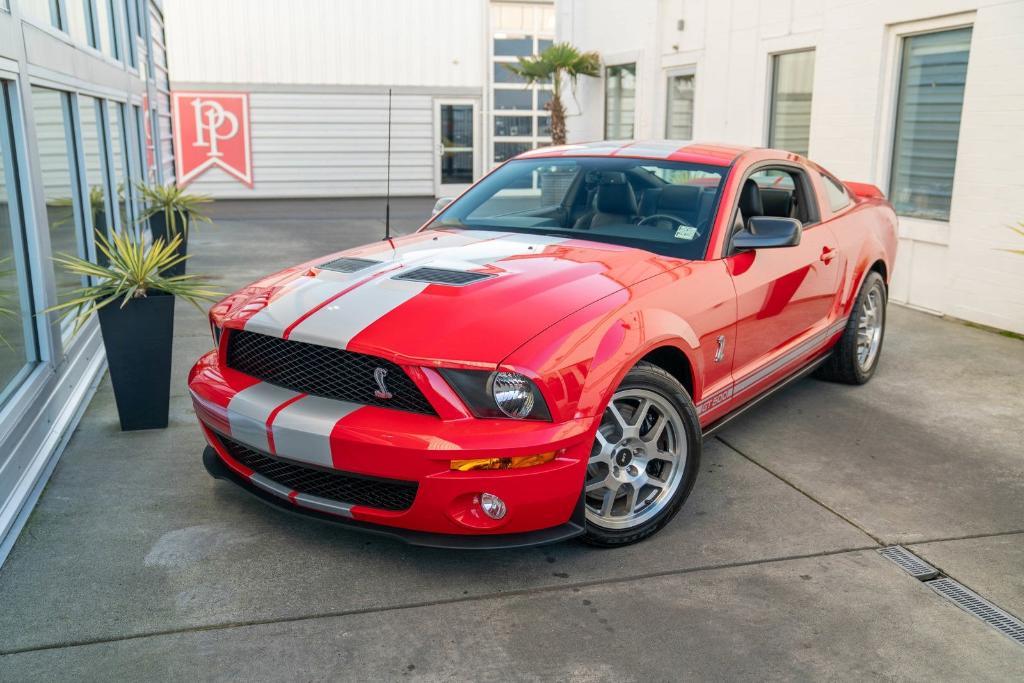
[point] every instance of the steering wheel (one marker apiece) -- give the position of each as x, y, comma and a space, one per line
675, 219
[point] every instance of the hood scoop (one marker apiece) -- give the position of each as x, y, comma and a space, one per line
347, 264
442, 276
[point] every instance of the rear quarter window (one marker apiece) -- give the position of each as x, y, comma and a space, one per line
838, 197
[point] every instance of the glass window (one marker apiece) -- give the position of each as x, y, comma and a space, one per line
679, 117
931, 97
512, 126
544, 126
118, 153
40, 11
543, 45
662, 206
513, 47
50, 109
513, 99
17, 336
503, 75
93, 141
838, 197
619, 101
543, 97
78, 21
105, 28
789, 125
507, 150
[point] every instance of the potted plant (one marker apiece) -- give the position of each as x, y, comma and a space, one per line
558, 62
171, 211
134, 297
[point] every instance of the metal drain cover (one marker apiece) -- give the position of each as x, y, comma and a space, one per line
969, 601
909, 562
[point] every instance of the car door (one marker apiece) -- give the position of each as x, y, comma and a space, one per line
785, 295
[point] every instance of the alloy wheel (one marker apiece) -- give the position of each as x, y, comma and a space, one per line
637, 461
870, 320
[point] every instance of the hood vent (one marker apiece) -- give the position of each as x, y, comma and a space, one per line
442, 276
347, 264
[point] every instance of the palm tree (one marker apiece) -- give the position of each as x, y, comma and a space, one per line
558, 62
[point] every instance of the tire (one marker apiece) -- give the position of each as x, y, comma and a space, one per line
848, 363
646, 463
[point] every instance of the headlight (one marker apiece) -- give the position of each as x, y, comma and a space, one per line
498, 394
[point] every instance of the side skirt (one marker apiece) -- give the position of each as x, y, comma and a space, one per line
799, 374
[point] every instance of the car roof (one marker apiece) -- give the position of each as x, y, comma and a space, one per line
713, 154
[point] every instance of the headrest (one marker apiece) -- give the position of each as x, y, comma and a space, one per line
616, 197
750, 199
679, 198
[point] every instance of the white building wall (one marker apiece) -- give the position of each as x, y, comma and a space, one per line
349, 42
957, 267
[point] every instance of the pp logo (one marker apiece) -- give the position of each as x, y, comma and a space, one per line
211, 129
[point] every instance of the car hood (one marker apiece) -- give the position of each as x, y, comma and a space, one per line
398, 299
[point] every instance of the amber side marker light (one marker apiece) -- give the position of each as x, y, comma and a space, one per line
514, 463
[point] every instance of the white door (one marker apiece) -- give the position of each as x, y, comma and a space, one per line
456, 144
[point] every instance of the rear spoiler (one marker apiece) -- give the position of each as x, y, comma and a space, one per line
864, 190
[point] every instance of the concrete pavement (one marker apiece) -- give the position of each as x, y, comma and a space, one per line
137, 565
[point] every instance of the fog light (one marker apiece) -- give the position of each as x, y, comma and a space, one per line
492, 506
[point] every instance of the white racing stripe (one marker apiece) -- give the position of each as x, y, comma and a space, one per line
302, 430
249, 410
324, 505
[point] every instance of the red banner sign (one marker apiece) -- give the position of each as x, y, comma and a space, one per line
212, 129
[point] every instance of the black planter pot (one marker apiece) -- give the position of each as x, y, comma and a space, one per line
158, 229
138, 342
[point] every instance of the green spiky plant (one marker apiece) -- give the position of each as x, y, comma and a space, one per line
180, 208
560, 62
134, 270
1019, 229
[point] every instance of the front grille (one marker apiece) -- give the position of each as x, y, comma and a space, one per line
442, 276
384, 494
323, 371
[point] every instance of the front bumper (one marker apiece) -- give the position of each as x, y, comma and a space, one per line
544, 502
563, 532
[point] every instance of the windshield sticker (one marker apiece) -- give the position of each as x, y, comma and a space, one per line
686, 232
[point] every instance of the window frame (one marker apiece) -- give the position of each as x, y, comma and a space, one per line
636, 96
679, 72
924, 229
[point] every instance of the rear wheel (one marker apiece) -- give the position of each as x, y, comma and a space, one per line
856, 354
644, 460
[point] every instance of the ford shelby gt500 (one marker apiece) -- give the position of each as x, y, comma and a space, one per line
542, 359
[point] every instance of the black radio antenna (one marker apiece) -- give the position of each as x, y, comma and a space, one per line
387, 190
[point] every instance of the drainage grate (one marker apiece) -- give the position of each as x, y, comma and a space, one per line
972, 603
347, 264
909, 562
442, 276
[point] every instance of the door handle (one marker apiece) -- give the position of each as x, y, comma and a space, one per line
827, 254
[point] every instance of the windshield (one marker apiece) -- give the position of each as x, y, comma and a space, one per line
662, 206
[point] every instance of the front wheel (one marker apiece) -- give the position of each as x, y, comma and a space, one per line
644, 460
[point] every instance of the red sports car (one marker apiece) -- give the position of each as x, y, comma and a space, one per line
542, 359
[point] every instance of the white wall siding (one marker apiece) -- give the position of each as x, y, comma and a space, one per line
313, 143
350, 42
959, 267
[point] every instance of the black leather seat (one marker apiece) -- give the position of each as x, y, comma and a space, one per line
615, 203
749, 204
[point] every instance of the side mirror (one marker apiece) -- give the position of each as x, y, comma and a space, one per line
441, 203
768, 232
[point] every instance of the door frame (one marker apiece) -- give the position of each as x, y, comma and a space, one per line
449, 189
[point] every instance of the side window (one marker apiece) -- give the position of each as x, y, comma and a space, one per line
838, 197
781, 192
